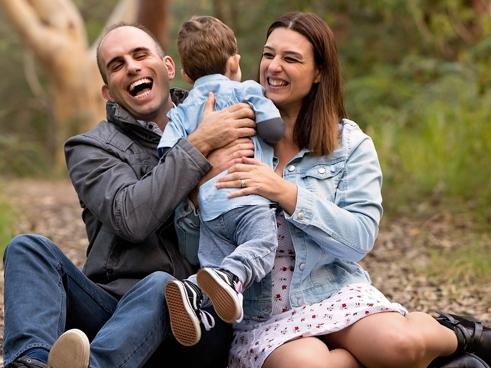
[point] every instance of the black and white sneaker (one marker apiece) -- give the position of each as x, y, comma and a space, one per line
26, 362
184, 303
225, 292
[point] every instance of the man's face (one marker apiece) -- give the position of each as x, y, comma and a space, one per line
137, 75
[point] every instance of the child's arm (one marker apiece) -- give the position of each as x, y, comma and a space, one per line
269, 124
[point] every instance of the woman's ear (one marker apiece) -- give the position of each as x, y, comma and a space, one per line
317, 77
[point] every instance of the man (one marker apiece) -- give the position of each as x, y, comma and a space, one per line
129, 199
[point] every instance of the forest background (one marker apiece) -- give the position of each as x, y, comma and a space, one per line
417, 79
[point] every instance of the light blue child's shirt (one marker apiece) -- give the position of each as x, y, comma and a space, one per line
184, 119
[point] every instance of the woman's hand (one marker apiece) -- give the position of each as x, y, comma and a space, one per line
253, 177
223, 158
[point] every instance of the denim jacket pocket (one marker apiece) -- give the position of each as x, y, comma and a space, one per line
324, 178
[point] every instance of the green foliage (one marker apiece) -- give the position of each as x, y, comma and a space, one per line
6, 224
433, 134
417, 77
470, 263
20, 158
23, 118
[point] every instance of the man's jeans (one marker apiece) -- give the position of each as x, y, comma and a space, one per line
46, 294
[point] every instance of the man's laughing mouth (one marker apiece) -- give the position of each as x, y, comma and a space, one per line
141, 87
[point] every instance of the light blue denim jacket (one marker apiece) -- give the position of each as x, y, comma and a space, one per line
334, 225
185, 117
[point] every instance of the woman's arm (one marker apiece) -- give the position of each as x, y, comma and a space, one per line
345, 223
347, 226
260, 179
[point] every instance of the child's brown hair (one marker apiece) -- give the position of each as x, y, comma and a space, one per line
205, 44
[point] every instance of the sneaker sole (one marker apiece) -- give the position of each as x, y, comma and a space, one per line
223, 297
183, 321
71, 350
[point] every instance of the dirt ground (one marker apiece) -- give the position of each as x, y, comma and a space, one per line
397, 265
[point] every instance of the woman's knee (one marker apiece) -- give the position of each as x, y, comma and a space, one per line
299, 359
404, 348
305, 352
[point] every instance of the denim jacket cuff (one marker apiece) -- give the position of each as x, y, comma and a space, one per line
303, 213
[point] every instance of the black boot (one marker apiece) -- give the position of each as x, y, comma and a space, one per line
466, 360
472, 336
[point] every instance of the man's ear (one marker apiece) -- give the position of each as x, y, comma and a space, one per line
170, 66
106, 93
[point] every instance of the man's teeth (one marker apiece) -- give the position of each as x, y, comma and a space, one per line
139, 82
144, 94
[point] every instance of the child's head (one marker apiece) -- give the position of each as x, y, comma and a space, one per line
207, 46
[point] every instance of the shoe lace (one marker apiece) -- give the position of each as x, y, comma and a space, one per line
206, 319
241, 297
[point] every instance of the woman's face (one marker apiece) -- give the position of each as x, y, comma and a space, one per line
287, 70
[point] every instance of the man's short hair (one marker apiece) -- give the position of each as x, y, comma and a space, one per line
112, 27
205, 44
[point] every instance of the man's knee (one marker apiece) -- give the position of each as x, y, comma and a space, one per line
25, 244
157, 280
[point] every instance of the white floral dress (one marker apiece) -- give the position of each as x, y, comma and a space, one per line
254, 341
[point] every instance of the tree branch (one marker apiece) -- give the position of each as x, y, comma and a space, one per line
46, 26
125, 11
32, 77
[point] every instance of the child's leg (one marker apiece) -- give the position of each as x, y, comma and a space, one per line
249, 235
184, 302
242, 241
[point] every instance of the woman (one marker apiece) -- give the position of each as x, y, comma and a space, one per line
327, 182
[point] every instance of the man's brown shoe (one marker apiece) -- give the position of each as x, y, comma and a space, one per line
71, 350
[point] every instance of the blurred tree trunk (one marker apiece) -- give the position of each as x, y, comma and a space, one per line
54, 32
153, 14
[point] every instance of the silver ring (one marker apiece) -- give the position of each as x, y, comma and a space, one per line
242, 183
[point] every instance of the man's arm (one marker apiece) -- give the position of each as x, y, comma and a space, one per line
218, 129
109, 186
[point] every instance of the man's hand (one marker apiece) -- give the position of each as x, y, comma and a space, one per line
220, 128
225, 157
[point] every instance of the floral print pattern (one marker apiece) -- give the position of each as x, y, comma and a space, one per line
254, 341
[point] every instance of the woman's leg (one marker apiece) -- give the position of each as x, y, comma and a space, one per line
309, 352
392, 340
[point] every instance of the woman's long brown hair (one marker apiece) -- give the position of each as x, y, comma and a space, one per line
316, 127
